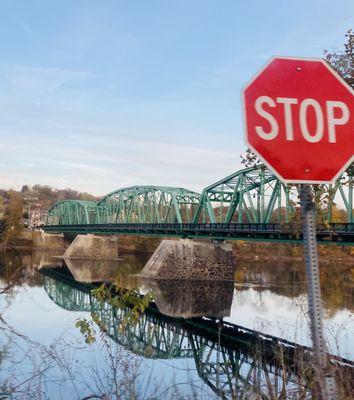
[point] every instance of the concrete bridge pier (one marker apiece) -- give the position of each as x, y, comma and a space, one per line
189, 259
93, 246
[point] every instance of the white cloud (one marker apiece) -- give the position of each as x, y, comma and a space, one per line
101, 163
28, 79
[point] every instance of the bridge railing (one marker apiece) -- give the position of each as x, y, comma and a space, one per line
224, 227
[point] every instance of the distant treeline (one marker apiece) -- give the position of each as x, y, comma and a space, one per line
41, 197
16, 207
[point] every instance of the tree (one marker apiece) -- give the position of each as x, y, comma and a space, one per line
249, 159
12, 219
2, 207
343, 61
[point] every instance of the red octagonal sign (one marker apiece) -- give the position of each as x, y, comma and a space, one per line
300, 120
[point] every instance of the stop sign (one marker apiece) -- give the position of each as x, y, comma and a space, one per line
299, 118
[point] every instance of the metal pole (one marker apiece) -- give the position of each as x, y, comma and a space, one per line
325, 382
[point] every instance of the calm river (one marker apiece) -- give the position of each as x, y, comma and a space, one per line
195, 340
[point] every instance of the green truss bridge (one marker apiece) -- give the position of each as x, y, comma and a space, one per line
252, 203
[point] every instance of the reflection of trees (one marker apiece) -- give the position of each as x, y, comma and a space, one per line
13, 273
288, 278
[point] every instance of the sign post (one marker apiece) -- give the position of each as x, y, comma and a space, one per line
299, 119
325, 382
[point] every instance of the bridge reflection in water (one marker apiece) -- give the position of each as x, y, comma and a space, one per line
235, 362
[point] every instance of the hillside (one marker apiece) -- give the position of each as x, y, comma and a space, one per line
40, 198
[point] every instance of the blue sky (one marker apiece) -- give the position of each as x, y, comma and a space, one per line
97, 95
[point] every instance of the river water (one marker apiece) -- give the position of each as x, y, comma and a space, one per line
199, 340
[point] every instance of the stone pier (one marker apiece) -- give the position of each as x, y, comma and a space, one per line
94, 247
188, 259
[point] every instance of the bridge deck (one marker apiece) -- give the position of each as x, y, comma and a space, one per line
341, 233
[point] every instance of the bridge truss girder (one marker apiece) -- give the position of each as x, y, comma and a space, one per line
72, 212
342, 190
256, 195
148, 204
251, 195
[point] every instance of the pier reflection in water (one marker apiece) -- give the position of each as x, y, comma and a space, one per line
190, 299
233, 361
185, 323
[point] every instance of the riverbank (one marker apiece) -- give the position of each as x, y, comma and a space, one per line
242, 249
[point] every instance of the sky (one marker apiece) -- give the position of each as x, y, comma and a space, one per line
99, 95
